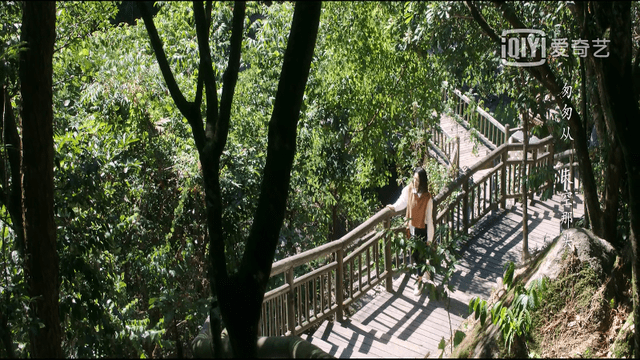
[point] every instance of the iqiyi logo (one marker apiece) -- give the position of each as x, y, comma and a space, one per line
520, 47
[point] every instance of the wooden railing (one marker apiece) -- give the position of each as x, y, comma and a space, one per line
446, 145
355, 264
473, 201
574, 174
363, 258
489, 129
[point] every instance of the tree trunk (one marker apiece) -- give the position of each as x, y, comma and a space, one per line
5, 335
548, 79
36, 71
621, 112
609, 219
291, 347
334, 221
619, 103
614, 165
585, 117
525, 215
263, 237
240, 294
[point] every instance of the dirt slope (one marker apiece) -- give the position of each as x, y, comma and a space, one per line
585, 310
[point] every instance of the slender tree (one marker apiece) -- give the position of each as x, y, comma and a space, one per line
240, 294
36, 72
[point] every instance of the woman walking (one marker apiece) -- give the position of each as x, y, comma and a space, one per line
418, 201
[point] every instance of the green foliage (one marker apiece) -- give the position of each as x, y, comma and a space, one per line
361, 90
457, 339
467, 57
623, 345
508, 273
442, 256
75, 21
10, 44
129, 201
441, 346
514, 319
478, 307
14, 292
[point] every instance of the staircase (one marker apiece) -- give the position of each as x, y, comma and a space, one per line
401, 325
352, 339
393, 322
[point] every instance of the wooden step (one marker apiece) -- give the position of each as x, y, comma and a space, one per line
330, 349
353, 339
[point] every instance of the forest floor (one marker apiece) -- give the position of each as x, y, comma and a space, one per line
585, 311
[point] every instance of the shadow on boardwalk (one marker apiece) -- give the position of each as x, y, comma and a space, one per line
400, 324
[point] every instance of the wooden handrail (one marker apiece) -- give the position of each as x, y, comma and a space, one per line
485, 130
563, 154
480, 110
331, 247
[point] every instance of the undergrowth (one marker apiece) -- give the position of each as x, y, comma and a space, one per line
569, 297
578, 314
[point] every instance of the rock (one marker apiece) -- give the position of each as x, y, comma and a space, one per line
593, 250
599, 254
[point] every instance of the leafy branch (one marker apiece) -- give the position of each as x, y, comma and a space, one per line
442, 257
515, 319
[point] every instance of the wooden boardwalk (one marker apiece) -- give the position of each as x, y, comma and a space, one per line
468, 157
400, 324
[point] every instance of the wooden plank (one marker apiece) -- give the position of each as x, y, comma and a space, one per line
337, 350
414, 320
350, 343
389, 340
416, 326
299, 310
428, 339
360, 271
315, 297
322, 292
306, 325
399, 312
390, 344
400, 309
330, 349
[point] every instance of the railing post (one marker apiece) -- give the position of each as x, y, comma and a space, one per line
457, 152
571, 172
291, 317
550, 165
534, 166
465, 206
339, 280
387, 256
503, 179
506, 134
